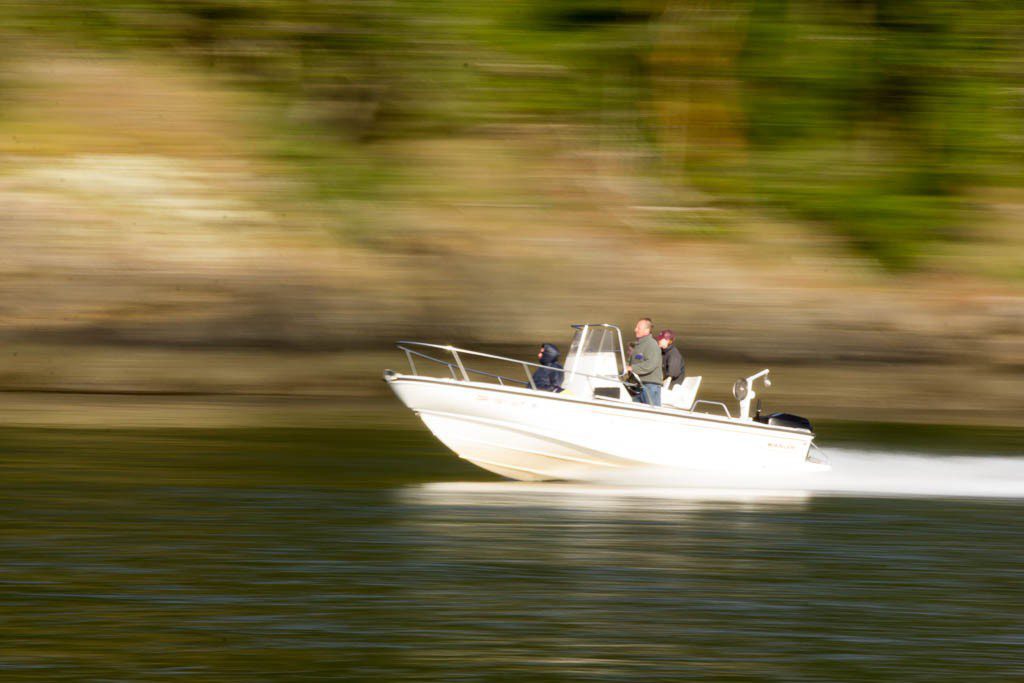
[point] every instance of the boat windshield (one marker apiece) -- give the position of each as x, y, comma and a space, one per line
595, 350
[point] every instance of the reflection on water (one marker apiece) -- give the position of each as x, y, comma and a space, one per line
243, 555
615, 583
596, 496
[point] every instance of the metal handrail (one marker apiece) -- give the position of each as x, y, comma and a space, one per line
409, 353
465, 372
501, 378
712, 403
525, 365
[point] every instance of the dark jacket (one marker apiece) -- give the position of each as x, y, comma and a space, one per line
672, 365
549, 378
646, 360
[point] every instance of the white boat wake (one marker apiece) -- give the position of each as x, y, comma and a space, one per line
870, 473
854, 473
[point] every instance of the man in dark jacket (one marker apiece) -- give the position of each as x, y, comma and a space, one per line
549, 377
671, 359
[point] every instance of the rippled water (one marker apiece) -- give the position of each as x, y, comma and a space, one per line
296, 555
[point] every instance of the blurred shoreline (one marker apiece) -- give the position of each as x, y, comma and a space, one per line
205, 228
110, 387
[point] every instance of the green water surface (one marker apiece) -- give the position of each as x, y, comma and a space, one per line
262, 555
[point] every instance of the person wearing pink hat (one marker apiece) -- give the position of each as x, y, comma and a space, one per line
672, 365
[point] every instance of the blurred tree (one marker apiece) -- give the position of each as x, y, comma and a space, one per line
874, 118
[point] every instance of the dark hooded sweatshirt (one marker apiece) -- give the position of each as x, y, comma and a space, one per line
672, 365
549, 378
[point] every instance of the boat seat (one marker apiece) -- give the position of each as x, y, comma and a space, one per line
684, 394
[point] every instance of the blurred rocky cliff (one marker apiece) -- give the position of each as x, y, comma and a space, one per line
162, 219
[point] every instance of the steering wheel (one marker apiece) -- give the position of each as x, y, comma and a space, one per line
632, 383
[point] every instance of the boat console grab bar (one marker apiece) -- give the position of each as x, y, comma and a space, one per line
713, 403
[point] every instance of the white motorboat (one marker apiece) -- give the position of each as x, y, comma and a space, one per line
593, 427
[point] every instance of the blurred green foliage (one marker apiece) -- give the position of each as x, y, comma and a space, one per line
875, 119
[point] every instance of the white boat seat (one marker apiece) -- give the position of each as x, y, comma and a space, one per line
683, 395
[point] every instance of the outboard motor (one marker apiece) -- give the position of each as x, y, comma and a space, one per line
743, 391
785, 420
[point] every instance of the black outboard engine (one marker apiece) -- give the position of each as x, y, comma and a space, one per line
785, 420
743, 391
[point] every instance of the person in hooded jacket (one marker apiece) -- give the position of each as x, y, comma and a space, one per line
672, 364
549, 377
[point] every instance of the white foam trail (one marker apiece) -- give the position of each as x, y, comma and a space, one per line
854, 473
862, 472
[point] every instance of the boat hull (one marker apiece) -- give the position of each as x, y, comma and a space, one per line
536, 436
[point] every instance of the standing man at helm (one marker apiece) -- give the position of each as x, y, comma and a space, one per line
645, 362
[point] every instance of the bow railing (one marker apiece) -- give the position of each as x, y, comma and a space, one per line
461, 372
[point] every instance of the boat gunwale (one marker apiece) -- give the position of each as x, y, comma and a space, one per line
667, 411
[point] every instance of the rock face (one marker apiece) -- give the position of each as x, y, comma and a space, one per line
133, 249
